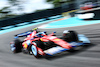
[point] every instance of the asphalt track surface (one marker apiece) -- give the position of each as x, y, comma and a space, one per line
88, 56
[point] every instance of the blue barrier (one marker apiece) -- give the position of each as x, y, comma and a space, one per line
33, 22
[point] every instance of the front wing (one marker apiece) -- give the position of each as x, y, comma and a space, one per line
55, 50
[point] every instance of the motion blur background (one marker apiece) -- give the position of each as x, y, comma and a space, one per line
36, 13
19, 11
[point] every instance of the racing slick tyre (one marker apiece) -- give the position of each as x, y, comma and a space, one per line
34, 51
33, 48
71, 36
74, 35
16, 46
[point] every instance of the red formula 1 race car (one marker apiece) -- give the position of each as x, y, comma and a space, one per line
41, 44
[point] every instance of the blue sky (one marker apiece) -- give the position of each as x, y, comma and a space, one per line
29, 5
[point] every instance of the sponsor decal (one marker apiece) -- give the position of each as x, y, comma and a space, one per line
25, 45
57, 39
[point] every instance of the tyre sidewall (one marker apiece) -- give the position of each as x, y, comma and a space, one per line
34, 50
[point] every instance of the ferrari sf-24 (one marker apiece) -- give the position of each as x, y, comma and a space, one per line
43, 44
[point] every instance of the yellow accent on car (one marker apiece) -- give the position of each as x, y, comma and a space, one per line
25, 45
35, 29
57, 39
41, 39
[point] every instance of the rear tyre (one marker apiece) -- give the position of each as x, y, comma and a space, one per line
16, 46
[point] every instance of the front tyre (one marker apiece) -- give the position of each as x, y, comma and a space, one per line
35, 51
74, 35
71, 36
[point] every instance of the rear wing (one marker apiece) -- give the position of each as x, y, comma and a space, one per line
25, 33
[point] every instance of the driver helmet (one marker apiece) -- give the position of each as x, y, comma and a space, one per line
40, 35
